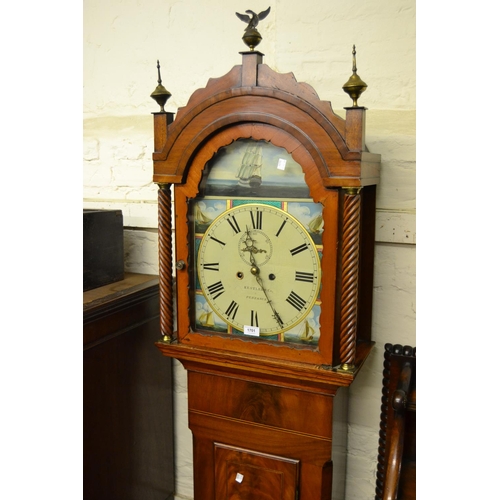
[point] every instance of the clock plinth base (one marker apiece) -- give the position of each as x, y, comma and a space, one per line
246, 429
266, 416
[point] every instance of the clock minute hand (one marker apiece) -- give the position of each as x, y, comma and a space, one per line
255, 271
275, 313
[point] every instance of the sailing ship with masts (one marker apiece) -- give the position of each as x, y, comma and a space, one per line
250, 172
307, 332
207, 319
200, 218
316, 224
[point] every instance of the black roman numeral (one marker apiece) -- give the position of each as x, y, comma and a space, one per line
300, 248
256, 219
307, 277
234, 224
218, 241
232, 310
213, 266
281, 227
296, 301
216, 289
254, 320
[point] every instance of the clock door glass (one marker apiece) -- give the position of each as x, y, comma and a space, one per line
256, 257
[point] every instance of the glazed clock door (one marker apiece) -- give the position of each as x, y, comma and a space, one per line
256, 249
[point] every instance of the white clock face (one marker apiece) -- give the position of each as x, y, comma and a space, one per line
259, 269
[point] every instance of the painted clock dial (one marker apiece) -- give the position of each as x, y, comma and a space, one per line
253, 201
259, 269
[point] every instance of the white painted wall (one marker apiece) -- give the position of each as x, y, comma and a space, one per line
198, 39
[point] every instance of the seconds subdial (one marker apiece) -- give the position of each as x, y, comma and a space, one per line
255, 247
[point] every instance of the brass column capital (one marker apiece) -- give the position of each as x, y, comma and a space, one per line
353, 191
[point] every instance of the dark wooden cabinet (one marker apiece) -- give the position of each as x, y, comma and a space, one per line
127, 394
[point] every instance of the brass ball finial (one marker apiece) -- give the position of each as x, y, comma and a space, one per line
160, 94
354, 86
252, 38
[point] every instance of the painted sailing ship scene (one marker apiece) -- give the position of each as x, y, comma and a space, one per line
310, 215
254, 168
206, 317
205, 211
306, 332
250, 172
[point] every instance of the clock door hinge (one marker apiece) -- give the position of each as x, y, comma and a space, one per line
297, 494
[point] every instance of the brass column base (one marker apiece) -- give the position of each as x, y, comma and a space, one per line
346, 368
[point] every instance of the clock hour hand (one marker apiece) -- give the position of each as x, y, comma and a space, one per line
250, 247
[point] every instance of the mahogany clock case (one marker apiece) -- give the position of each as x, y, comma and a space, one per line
267, 412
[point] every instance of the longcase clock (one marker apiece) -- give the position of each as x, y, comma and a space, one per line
270, 308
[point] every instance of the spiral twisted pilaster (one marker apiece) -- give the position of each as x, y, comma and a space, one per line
165, 260
349, 277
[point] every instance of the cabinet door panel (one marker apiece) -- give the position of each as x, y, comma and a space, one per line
247, 475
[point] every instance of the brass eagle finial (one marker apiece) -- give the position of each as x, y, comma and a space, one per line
254, 20
252, 37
